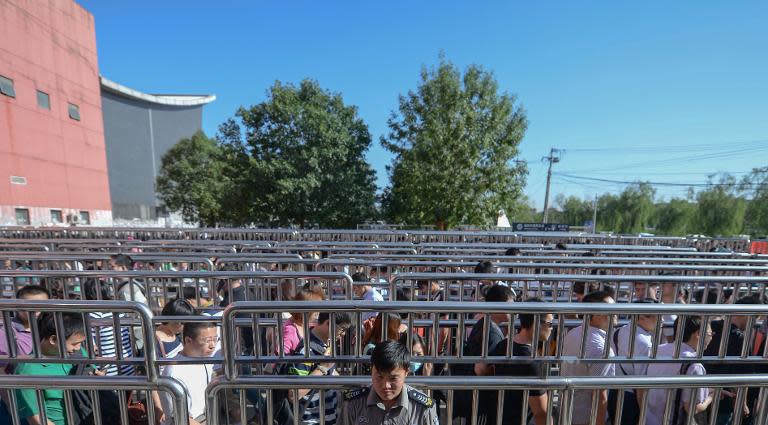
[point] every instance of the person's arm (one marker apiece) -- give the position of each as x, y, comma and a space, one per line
538, 406
36, 420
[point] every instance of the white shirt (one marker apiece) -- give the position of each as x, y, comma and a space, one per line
643, 347
657, 398
582, 399
371, 295
194, 378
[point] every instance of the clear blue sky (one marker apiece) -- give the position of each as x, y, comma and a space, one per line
688, 79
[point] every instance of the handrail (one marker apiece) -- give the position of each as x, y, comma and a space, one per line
169, 385
144, 313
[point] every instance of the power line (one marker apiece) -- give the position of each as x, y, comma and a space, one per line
667, 148
571, 176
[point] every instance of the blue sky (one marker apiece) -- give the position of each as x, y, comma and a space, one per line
659, 91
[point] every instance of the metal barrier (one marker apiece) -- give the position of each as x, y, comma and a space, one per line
93, 385
157, 284
138, 310
560, 391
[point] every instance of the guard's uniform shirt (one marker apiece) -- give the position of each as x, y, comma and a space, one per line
363, 407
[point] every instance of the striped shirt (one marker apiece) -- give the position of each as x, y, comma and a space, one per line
311, 401
104, 342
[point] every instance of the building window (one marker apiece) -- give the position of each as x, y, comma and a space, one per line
74, 112
85, 217
22, 216
56, 216
6, 87
43, 100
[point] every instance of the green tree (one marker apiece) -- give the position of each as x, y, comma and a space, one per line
675, 217
193, 180
454, 142
303, 151
572, 210
629, 212
755, 187
720, 210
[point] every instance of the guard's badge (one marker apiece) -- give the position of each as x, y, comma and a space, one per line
421, 398
353, 394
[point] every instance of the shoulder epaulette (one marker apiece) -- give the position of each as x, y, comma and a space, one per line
421, 398
353, 394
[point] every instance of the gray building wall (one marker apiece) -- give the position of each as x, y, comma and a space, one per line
137, 135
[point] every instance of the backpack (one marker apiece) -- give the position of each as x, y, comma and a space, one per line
109, 402
282, 408
678, 415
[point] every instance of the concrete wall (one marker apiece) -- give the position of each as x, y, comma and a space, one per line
138, 134
51, 46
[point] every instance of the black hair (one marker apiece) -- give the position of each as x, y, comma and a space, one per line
513, 252
415, 339
597, 296
192, 329
581, 287
526, 319
484, 267
361, 277
691, 325
94, 289
389, 355
342, 318
750, 299
499, 293
122, 260
188, 293
698, 296
561, 246
71, 324
32, 290
178, 307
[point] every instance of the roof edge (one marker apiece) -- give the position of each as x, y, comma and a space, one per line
169, 100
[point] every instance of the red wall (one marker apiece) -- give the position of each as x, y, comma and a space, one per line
51, 46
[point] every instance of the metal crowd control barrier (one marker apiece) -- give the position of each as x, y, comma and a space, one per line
554, 268
157, 283
364, 236
557, 282
233, 317
93, 385
564, 387
740, 259
138, 310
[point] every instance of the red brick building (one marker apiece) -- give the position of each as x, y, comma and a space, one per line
53, 164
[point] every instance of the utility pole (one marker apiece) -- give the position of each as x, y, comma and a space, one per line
594, 215
552, 158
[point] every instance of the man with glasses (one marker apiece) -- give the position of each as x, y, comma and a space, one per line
525, 342
199, 339
320, 342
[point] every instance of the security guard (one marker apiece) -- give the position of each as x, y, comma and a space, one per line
388, 401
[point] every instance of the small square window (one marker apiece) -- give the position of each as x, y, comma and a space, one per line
56, 216
74, 112
85, 217
43, 100
6, 87
22, 216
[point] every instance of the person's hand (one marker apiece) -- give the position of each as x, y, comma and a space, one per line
368, 324
428, 369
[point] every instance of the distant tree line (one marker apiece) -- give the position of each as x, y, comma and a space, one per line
727, 206
298, 159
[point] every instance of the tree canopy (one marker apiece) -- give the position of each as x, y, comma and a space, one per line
297, 158
454, 141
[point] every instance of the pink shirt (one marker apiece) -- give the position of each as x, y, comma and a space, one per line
291, 337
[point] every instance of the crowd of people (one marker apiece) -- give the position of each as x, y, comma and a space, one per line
392, 351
